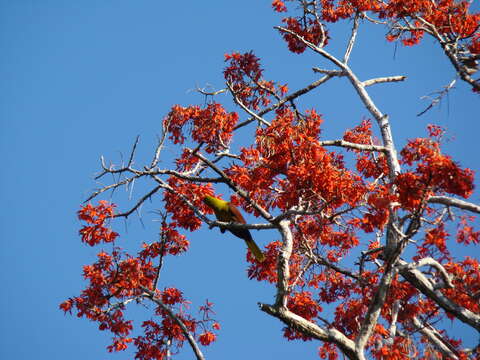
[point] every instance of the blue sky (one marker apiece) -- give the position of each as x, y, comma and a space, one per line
83, 79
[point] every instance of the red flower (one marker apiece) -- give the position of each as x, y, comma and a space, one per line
207, 338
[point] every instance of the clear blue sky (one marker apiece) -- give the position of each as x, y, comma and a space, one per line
83, 79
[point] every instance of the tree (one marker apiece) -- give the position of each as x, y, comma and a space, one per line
362, 226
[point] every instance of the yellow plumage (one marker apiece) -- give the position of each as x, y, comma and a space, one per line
226, 212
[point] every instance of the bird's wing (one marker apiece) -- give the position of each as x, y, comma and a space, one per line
236, 215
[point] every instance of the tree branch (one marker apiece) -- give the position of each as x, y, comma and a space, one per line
351, 42
383, 80
310, 329
374, 309
264, 213
393, 323
428, 261
231, 225
246, 109
288, 98
350, 145
329, 72
139, 203
435, 338
283, 267
193, 344
161, 141
461, 204
420, 281
438, 98
382, 119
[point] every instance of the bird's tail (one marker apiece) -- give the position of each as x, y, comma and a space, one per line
255, 250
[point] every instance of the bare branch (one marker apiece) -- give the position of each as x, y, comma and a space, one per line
120, 304
438, 98
374, 21
191, 340
350, 145
383, 80
435, 339
371, 317
463, 70
210, 93
428, 261
450, 48
353, 36
311, 329
329, 72
139, 203
364, 256
283, 267
112, 186
461, 204
420, 281
393, 324
109, 170
163, 241
300, 274
184, 176
225, 153
231, 225
161, 141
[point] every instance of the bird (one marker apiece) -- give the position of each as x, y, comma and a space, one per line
227, 212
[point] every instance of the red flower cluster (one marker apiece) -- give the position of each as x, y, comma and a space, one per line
116, 279
451, 19
466, 233
266, 270
182, 214
244, 75
172, 243
310, 30
207, 338
110, 278
288, 169
370, 165
279, 6
466, 281
434, 173
304, 305
289, 157
96, 216
212, 125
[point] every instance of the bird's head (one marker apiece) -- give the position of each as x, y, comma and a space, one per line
209, 200
213, 202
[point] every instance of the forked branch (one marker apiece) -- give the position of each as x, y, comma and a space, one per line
191, 340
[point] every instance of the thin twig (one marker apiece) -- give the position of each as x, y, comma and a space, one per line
286, 99
440, 94
139, 203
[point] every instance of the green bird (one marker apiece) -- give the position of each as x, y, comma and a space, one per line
226, 212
